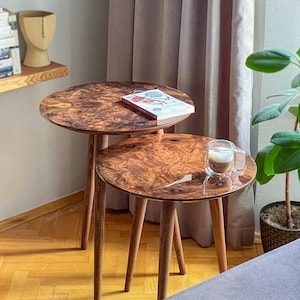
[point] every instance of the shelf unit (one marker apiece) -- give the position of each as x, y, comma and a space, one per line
31, 76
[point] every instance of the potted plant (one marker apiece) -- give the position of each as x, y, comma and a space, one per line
282, 154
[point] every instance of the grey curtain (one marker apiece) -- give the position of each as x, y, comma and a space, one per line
199, 47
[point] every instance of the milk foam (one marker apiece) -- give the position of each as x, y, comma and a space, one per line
221, 155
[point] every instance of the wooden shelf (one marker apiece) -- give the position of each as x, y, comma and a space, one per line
32, 76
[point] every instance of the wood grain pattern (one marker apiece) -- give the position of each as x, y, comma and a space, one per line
150, 166
167, 168
97, 108
40, 259
33, 75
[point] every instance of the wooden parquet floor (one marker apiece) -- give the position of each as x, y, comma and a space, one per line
41, 259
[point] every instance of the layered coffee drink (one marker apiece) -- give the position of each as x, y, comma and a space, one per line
220, 159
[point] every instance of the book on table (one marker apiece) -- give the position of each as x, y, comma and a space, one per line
158, 105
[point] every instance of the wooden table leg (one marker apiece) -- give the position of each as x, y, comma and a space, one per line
88, 193
165, 247
217, 215
96, 143
100, 205
135, 238
178, 246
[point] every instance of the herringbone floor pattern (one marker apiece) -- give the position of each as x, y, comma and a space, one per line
41, 259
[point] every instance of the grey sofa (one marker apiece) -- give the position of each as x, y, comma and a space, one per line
272, 276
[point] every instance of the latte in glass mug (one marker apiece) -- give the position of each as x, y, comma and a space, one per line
220, 157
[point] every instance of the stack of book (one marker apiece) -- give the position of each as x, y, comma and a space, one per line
10, 62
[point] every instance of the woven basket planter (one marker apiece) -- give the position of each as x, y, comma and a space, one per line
273, 237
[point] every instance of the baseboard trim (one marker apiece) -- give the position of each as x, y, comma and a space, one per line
41, 210
257, 239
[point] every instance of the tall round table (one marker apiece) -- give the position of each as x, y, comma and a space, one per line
96, 109
169, 168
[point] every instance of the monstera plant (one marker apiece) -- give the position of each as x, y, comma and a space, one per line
282, 154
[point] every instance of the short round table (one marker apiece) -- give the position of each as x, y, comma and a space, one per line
169, 168
96, 109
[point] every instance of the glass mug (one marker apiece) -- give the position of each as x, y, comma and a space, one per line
221, 158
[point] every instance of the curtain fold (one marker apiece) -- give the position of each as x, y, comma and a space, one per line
241, 206
199, 47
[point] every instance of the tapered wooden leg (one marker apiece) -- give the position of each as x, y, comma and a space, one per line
178, 246
88, 193
165, 247
96, 143
100, 204
135, 238
217, 215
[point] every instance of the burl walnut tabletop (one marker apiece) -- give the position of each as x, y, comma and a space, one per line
97, 108
167, 167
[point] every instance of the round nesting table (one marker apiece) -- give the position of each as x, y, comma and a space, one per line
96, 109
169, 168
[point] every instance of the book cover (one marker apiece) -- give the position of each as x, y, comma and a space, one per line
6, 74
5, 62
3, 17
15, 49
158, 105
8, 42
13, 23
4, 53
16, 60
5, 32
6, 68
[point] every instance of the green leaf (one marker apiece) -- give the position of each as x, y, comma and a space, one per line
290, 92
298, 171
296, 81
269, 165
293, 93
269, 61
261, 176
269, 112
285, 105
286, 160
287, 139
293, 109
273, 111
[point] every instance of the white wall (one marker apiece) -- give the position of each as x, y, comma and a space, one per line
280, 29
40, 162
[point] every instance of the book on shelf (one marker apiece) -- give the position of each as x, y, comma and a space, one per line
16, 60
6, 74
13, 23
6, 68
158, 105
9, 42
4, 63
12, 41
3, 17
5, 32
4, 52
